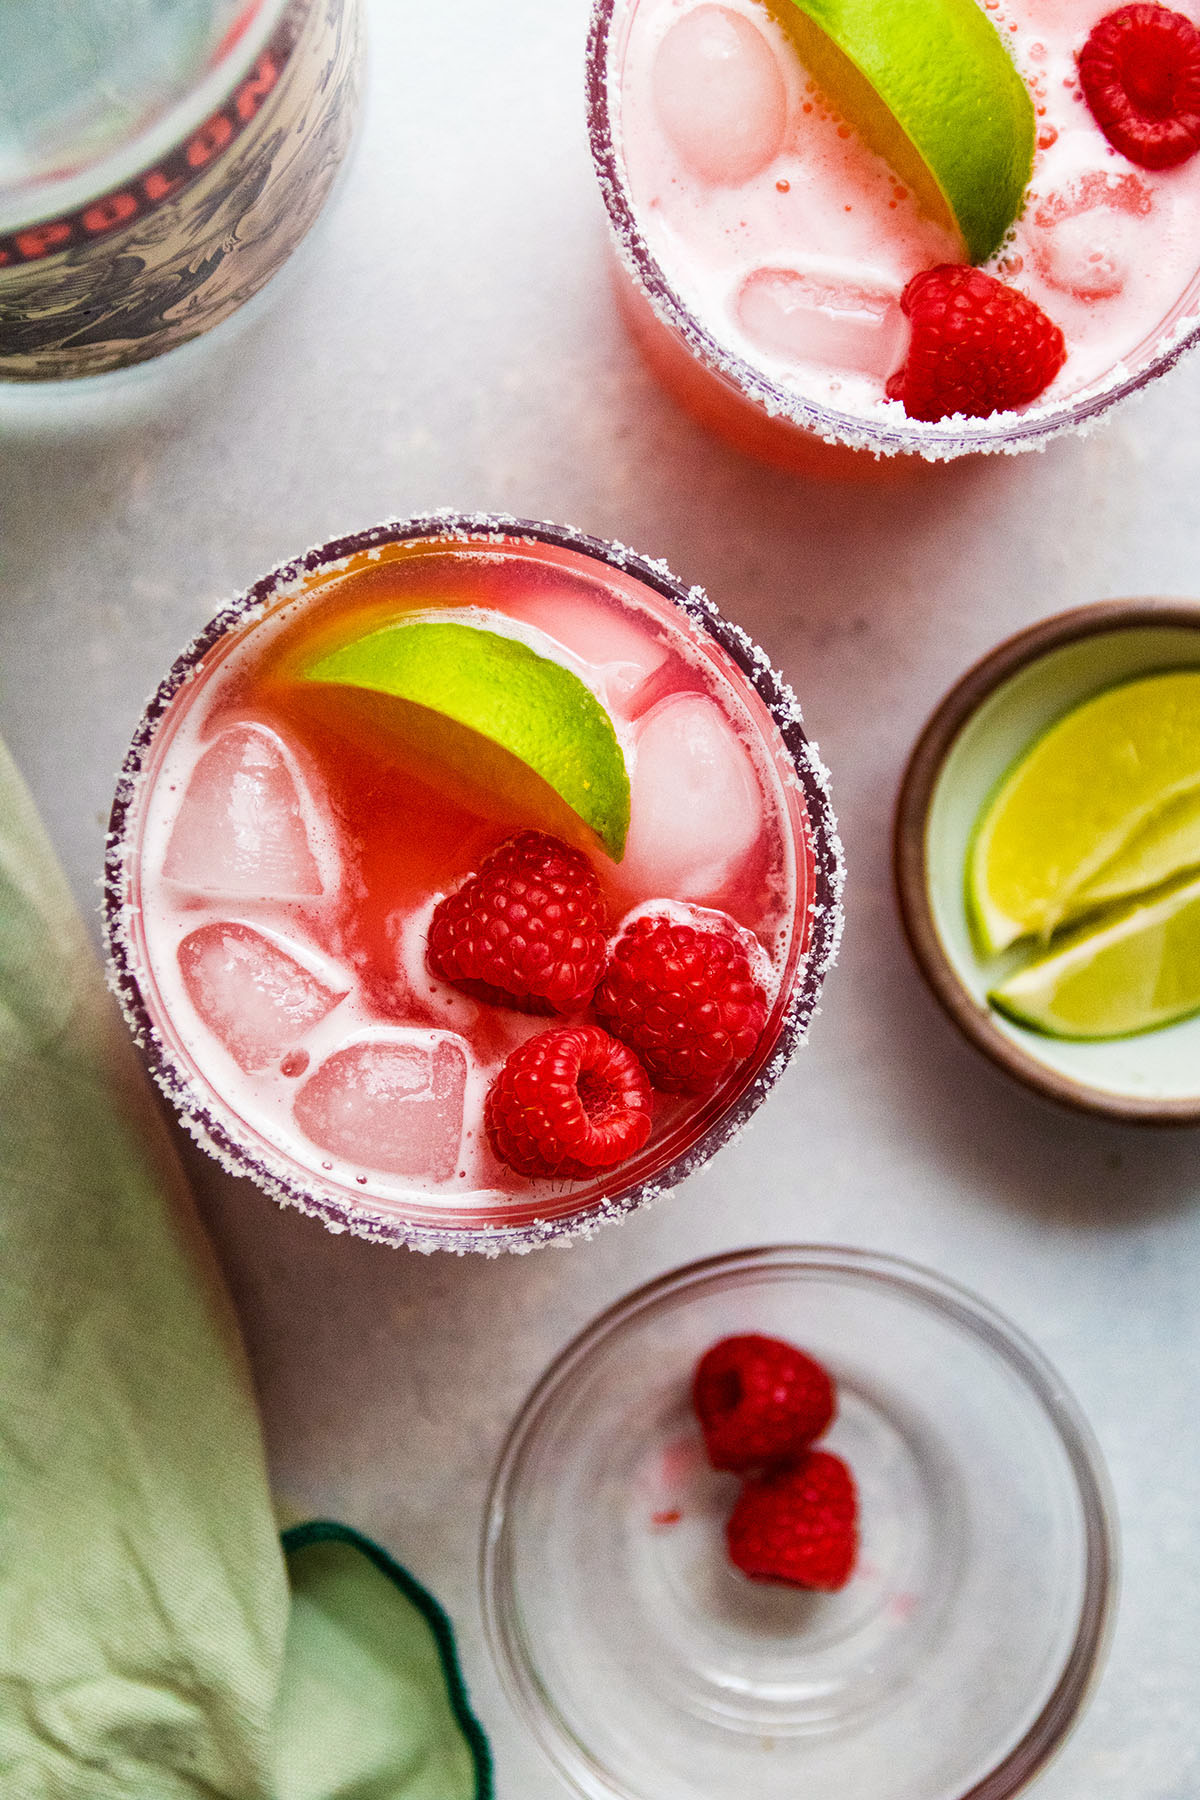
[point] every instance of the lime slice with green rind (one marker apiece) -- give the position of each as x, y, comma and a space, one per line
505, 721
1097, 808
1137, 971
932, 88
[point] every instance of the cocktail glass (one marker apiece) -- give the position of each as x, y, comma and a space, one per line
260, 1138
755, 413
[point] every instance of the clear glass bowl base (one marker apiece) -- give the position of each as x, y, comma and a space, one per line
952, 1663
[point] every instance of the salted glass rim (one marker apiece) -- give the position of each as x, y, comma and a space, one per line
1002, 433
193, 1096
913, 1281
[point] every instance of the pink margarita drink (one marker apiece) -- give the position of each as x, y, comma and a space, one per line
282, 848
770, 247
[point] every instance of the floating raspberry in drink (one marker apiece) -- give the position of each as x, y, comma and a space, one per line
1140, 74
528, 930
685, 998
978, 347
759, 1401
568, 1103
797, 1524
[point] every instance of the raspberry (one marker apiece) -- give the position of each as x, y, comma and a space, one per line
685, 999
759, 1401
977, 346
568, 1102
798, 1524
1140, 74
527, 930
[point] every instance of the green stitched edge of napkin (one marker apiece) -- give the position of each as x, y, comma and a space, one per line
329, 1531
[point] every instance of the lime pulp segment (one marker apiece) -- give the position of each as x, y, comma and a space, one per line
523, 705
1106, 804
1134, 973
1166, 845
951, 94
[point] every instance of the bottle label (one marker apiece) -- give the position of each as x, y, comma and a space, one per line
175, 250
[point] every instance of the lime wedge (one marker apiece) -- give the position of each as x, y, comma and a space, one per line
515, 728
931, 87
1100, 807
1166, 846
1134, 973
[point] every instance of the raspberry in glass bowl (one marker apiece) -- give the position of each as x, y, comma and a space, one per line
928, 1627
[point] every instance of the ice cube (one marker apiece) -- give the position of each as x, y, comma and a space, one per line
720, 95
391, 1103
254, 996
623, 654
823, 317
1087, 237
247, 825
696, 803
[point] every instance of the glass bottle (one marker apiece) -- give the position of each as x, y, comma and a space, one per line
159, 162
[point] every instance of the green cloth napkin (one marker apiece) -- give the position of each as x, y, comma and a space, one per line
150, 1645
373, 1703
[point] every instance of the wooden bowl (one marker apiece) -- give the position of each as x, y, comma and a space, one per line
986, 721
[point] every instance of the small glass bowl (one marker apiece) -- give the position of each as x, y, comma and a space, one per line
954, 1662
